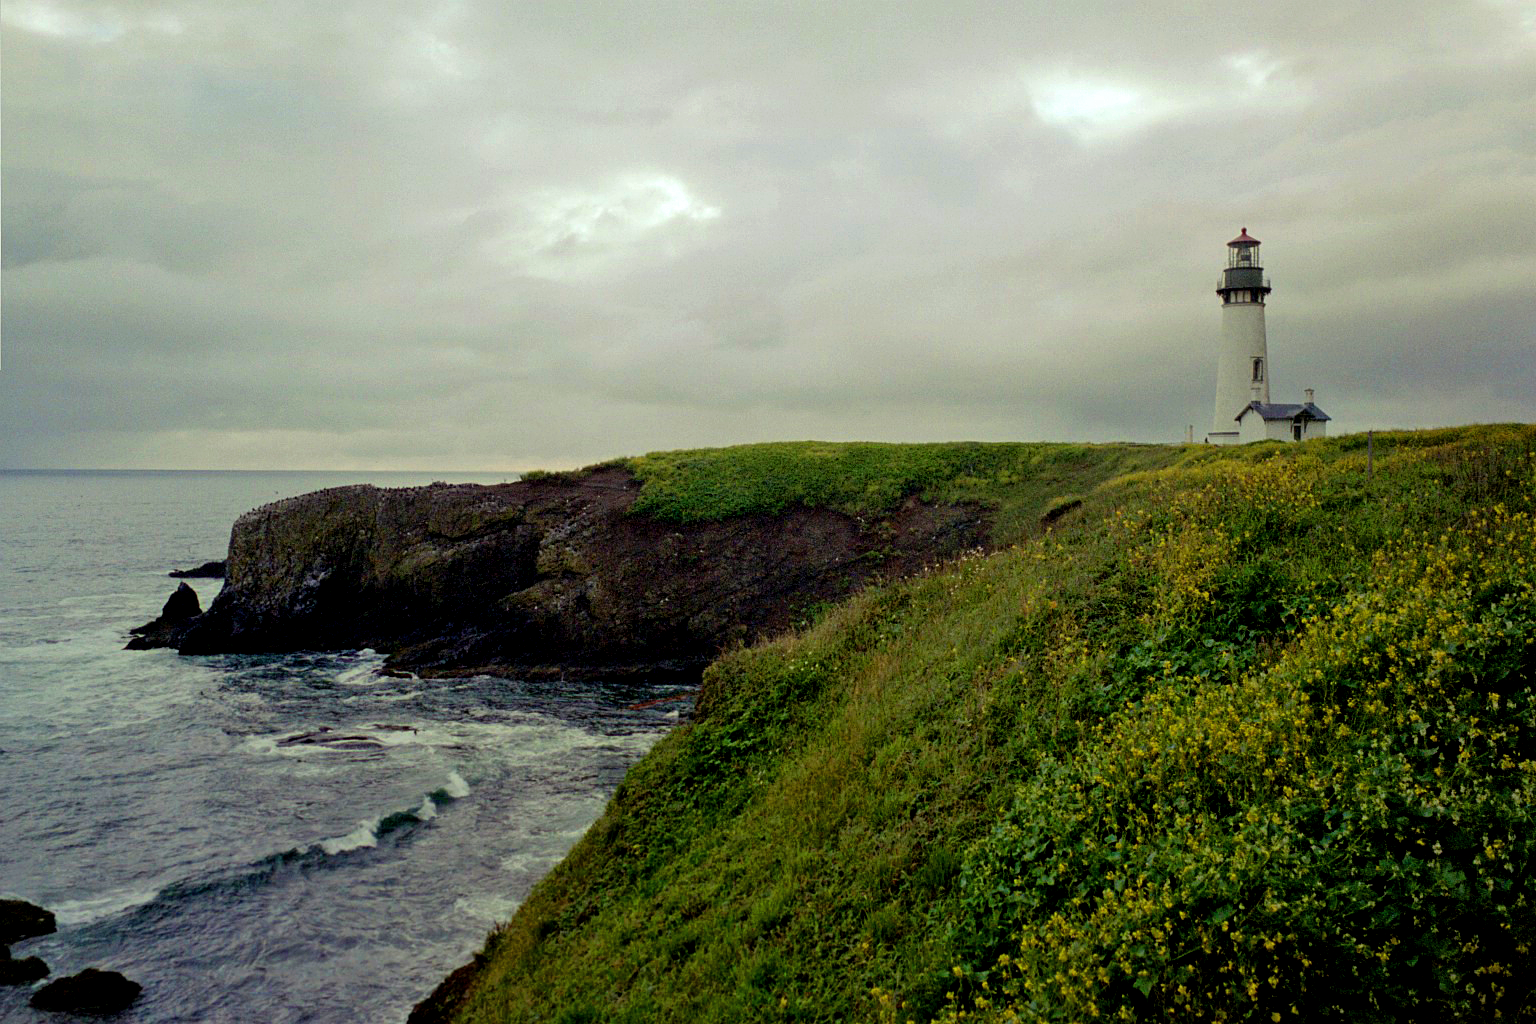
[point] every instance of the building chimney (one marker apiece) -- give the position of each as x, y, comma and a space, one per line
1309, 396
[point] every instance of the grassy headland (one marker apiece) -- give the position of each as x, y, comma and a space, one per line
1249, 735
1020, 482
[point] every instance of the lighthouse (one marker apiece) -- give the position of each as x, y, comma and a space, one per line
1242, 369
1243, 411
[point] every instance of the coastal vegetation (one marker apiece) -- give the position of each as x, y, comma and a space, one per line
1246, 734
1019, 482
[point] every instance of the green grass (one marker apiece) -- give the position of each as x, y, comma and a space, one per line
1251, 734
1019, 481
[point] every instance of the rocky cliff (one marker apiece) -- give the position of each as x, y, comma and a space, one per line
554, 575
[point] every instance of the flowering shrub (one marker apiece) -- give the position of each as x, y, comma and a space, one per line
1346, 834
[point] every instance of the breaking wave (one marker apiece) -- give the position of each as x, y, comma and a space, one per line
395, 826
367, 833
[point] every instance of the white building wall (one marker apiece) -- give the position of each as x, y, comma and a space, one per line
1242, 341
1251, 429
1255, 428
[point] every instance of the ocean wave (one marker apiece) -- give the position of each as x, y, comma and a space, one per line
367, 833
365, 674
457, 788
97, 908
323, 854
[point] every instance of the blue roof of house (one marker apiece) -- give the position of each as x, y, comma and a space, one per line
1284, 411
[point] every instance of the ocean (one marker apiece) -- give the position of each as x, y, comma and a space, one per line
280, 838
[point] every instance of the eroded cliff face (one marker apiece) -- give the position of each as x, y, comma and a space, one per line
551, 575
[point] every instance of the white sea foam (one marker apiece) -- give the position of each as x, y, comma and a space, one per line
360, 675
487, 907
534, 863
527, 738
404, 735
538, 739
428, 809
261, 745
457, 787
542, 848
371, 697
282, 744
523, 862
327, 740
366, 834
96, 908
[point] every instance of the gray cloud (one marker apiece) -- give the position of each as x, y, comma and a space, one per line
475, 235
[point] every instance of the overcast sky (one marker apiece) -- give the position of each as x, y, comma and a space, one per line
501, 235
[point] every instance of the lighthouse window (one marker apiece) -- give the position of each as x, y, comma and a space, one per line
1258, 370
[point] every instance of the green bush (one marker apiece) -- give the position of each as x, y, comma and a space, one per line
1349, 830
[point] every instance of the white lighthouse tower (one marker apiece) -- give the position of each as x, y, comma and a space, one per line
1242, 370
1243, 411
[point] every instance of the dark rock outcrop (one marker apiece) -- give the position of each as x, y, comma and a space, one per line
542, 576
180, 609
206, 571
20, 972
22, 920
91, 991
440, 1006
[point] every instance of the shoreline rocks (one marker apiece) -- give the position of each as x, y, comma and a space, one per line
20, 972
550, 576
92, 991
22, 920
19, 921
207, 571
180, 609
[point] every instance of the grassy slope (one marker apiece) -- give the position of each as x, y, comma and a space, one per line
1020, 482
1251, 735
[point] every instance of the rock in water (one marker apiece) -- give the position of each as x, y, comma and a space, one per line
20, 972
181, 605
206, 571
22, 920
179, 611
91, 991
